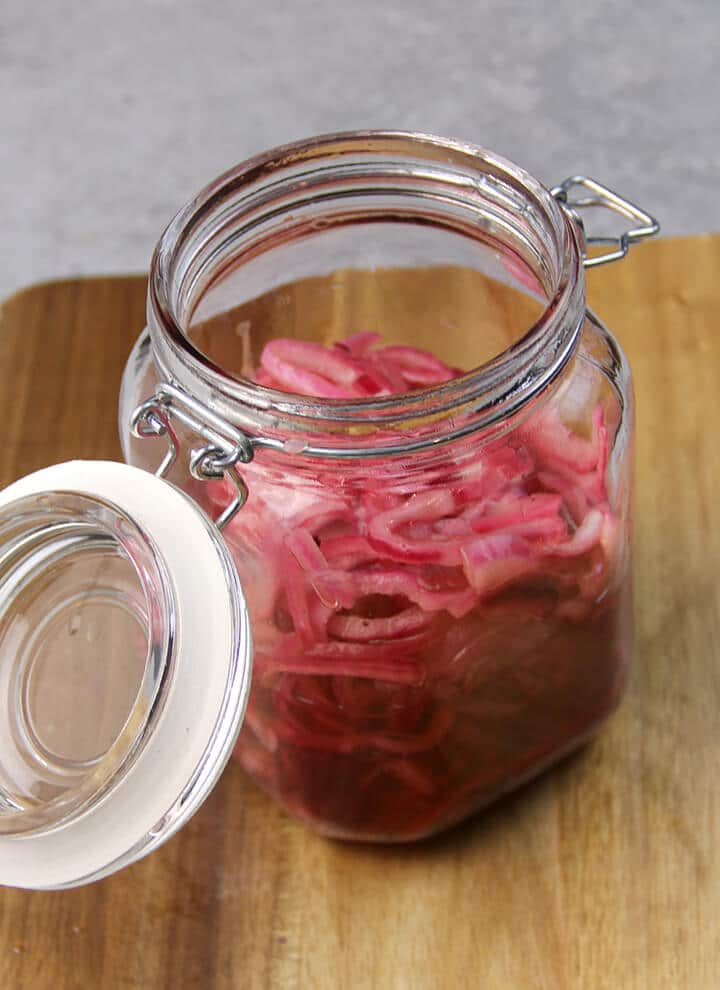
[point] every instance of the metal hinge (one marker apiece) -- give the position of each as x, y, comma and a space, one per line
594, 194
225, 446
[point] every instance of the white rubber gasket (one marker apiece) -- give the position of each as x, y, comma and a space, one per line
196, 731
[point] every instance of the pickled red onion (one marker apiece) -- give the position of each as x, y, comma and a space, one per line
395, 625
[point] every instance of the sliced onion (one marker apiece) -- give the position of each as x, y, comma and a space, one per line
399, 627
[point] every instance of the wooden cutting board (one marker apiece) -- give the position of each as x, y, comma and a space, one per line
604, 873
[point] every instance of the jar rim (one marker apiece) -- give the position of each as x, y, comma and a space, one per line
485, 395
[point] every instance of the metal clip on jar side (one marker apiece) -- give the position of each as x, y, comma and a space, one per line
224, 449
595, 195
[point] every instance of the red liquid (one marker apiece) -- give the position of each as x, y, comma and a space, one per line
422, 648
365, 759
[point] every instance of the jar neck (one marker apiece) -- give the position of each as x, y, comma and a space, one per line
304, 189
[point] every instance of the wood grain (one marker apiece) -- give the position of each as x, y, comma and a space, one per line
603, 874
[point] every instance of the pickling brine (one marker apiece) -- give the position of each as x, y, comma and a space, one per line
425, 641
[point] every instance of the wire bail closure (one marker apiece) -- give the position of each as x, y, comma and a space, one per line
218, 458
597, 195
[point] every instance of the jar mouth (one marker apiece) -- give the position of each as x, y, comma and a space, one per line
266, 200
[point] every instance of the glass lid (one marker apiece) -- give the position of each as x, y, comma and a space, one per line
125, 658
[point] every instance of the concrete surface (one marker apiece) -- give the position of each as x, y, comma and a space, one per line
114, 112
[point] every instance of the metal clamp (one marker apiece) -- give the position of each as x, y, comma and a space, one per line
597, 195
218, 458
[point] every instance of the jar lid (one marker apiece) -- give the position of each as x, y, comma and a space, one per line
125, 661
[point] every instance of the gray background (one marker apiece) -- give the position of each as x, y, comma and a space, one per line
114, 112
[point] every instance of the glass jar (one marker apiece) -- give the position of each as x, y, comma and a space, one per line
435, 550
